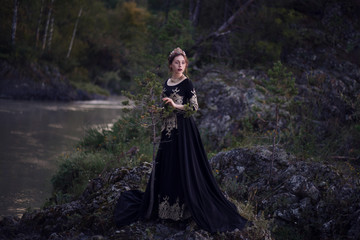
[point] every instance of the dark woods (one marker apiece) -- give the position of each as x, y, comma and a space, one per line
109, 42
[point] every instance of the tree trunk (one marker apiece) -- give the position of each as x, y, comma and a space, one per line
51, 32
152, 188
194, 11
47, 25
14, 22
74, 33
191, 10
195, 16
231, 19
39, 23
167, 9
274, 143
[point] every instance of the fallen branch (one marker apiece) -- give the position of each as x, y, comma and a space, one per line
223, 29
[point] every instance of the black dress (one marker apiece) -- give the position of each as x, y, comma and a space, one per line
184, 185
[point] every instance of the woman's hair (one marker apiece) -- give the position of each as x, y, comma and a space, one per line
177, 52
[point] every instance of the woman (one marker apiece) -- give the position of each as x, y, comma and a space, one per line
182, 185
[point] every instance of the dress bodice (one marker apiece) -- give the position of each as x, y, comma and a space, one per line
182, 93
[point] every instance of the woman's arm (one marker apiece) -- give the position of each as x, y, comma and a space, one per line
168, 100
190, 95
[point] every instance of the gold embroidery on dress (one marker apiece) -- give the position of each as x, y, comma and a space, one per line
193, 100
171, 122
174, 212
176, 97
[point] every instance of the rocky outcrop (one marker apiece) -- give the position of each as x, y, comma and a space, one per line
38, 82
312, 197
91, 216
328, 94
326, 67
225, 99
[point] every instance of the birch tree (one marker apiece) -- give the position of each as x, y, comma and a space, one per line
47, 25
74, 32
51, 32
39, 23
14, 22
194, 11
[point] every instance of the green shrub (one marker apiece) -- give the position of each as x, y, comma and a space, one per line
112, 80
125, 144
76, 169
90, 88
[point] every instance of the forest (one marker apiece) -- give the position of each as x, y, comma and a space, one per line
278, 84
108, 43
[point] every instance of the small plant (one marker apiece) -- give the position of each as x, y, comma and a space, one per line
280, 90
149, 106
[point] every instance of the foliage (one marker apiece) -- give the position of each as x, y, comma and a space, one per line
125, 144
148, 104
130, 37
279, 90
280, 85
90, 88
76, 170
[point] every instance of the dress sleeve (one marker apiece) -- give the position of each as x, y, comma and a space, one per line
192, 97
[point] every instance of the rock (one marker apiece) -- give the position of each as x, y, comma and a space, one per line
354, 231
90, 216
223, 105
302, 193
301, 187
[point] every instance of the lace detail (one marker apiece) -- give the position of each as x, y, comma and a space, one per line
176, 97
193, 100
169, 124
174, 212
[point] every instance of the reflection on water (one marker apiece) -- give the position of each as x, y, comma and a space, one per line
33, 134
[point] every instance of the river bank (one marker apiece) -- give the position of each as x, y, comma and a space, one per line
35, 81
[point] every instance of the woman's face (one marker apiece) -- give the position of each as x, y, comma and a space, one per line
178, 65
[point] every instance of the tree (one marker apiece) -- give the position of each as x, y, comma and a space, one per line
279, 90
51, 32
39, 23
14, 22
148, 103
194, 11
74, 33
47, 24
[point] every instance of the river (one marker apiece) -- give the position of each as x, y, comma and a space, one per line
33, 135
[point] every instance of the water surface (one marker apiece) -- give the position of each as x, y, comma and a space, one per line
32, 136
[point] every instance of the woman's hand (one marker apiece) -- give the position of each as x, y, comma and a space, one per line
168, 100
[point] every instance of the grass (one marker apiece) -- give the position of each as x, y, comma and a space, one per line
90, 88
